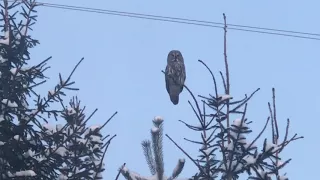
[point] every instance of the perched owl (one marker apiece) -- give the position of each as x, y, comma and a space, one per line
175, 75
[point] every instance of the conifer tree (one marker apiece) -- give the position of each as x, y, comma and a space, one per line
32, 145
225, 150
153, 152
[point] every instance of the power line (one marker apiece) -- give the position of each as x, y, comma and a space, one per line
270, 31
181, 19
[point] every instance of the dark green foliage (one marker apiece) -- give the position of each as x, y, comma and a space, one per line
31, 145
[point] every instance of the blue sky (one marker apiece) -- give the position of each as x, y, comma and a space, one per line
124, 58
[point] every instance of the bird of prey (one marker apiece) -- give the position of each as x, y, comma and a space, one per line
175, 75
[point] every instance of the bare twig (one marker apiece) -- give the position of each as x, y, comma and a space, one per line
124, 164
275, 113
259, 135
227, 90
199, 167
275, 131
272, 124
103, 155
6, 20
109, 120
213, 78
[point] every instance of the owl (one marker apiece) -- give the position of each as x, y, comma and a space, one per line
175, 75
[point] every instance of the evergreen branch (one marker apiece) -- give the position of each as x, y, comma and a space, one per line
178, 169
146, 146
154, 159
157, 149
57, 91
130, 175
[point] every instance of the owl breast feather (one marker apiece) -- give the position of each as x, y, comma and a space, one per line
175, 77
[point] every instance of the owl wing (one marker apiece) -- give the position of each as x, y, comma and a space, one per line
175, 76
182, 75
167, 78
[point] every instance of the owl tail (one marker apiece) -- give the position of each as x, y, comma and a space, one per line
174, 99
174, 94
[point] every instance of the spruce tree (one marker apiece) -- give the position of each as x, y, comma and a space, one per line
37, 141
226, 152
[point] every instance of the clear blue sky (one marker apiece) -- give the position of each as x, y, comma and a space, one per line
124, 58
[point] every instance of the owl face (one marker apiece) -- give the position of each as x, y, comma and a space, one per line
175, 56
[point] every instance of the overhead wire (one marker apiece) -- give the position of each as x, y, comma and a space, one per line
271, 31
182, 19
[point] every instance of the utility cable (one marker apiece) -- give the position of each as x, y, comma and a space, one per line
261, 30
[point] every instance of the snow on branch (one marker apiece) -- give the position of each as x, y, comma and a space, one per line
225, 150
153, 152
32, 146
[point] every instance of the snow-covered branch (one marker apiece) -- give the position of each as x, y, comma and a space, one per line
31, 145
154, 157
225, 151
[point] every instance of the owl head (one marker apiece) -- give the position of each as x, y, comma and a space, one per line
174, 56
